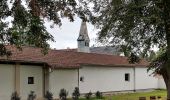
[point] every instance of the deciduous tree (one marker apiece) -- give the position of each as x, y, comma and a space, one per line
28, 17
137, 26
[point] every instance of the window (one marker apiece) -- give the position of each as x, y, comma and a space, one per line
82, 79
127, 77
30, 80
86, 44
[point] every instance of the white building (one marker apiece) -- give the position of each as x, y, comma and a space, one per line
30, 70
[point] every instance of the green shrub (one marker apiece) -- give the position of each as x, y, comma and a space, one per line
76, 94
99, 95
88, 95
15, 96
31, 96
49, 96
63, 94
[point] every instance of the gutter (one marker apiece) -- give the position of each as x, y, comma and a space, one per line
78, 78
21, 61
116, 65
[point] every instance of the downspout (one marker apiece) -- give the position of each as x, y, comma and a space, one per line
17, 77
78, 78
134, 79
44, 80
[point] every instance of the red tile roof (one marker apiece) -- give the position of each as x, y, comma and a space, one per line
67, 59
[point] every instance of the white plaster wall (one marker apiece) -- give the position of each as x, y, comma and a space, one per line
63, 78
7, 77
25, 88
161, 83
105, 79
82, 47
145, 80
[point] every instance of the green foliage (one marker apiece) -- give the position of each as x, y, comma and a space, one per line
49, 96
99, 95
152, 56
76, 94
133, 96
63, 94
135, 25
31, 96
88, 95
28, 18
15, 96
133, 58
159, 62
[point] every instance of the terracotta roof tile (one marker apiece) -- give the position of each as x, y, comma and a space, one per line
67, 59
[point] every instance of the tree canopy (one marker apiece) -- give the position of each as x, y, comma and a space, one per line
136, 25
28, 18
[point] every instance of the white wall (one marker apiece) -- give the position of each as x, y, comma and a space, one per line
105, 79
161, 83
63, 78
145, 80
82, 47
102, 79
7, 77
31, 71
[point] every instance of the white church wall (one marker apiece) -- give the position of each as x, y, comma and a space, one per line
31, 71
105, 79
144, 79
63, 78
161, 83
7, 79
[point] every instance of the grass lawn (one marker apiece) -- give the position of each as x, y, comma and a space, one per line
133, 96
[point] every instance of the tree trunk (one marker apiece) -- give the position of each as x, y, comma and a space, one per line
166, 4
168, 89
164, 73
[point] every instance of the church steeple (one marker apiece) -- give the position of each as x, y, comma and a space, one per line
83, 38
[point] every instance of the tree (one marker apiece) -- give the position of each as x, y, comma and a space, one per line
137, 26
28, 17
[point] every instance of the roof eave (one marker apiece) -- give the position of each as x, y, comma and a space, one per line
22, 61
109, 65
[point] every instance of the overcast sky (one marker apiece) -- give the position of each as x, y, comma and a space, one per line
66, 35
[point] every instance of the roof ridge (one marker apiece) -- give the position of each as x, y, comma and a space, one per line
88, 53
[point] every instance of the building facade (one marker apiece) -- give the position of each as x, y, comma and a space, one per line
102, 70
89, 78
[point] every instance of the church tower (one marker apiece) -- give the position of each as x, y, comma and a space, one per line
83, 40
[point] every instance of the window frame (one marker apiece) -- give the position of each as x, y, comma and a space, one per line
86, 44
30, 80
82, 78
127, 77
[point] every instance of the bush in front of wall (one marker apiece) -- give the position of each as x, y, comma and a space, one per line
15, 96
31, 96
99, 95
48, 96
76, 94
63, 94
88, 95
